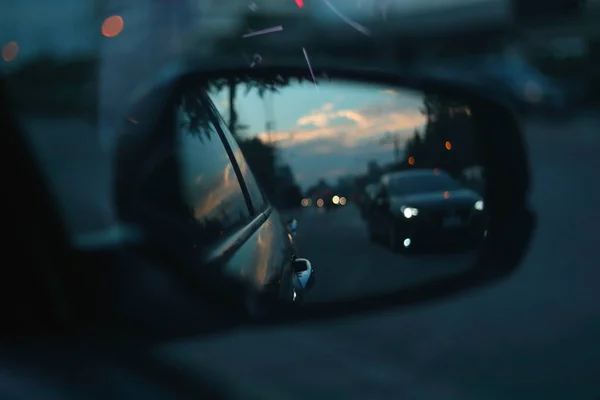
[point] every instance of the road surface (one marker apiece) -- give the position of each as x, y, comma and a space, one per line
347, 264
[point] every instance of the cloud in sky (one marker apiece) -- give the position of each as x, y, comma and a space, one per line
334, 131
348, 127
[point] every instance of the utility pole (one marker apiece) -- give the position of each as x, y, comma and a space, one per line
393, 138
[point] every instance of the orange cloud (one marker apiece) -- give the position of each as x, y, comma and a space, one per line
321, 119
349, 127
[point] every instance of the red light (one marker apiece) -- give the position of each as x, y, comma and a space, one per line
299, 3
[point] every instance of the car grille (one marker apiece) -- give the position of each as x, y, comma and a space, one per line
437, 216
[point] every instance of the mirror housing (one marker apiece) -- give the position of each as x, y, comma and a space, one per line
506, 194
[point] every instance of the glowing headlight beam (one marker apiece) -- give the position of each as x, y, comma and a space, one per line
409, 212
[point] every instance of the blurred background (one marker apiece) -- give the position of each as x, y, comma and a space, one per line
72, 66
124, 44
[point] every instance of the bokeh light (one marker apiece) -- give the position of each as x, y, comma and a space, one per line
112, 26
10, 51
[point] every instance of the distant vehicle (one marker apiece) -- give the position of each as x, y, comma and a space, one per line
425, 207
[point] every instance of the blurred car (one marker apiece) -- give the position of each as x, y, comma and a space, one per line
427, 208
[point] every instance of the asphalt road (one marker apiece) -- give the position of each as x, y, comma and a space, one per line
347, 264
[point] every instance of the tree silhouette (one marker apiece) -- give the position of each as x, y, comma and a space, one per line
260, 157
448, 140
413, 145
198, 122
292, 197
262, 83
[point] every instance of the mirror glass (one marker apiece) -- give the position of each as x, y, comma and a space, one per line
385, 184
377, 188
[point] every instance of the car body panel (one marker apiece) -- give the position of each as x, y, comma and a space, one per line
264, 259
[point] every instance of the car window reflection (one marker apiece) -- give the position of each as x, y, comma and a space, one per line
209, 183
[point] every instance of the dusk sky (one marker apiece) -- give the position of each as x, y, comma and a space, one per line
333, 131
327, 133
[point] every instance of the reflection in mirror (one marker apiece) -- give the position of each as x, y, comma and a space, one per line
390, 181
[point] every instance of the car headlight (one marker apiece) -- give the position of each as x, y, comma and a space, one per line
478, 205
409, 212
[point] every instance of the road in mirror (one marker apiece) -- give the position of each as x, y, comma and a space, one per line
386, 185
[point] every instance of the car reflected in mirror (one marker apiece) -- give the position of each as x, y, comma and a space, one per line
426, 208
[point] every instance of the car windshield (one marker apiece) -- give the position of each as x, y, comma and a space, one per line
401, 186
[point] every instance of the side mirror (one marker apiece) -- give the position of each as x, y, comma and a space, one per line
305, 274
461, 260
